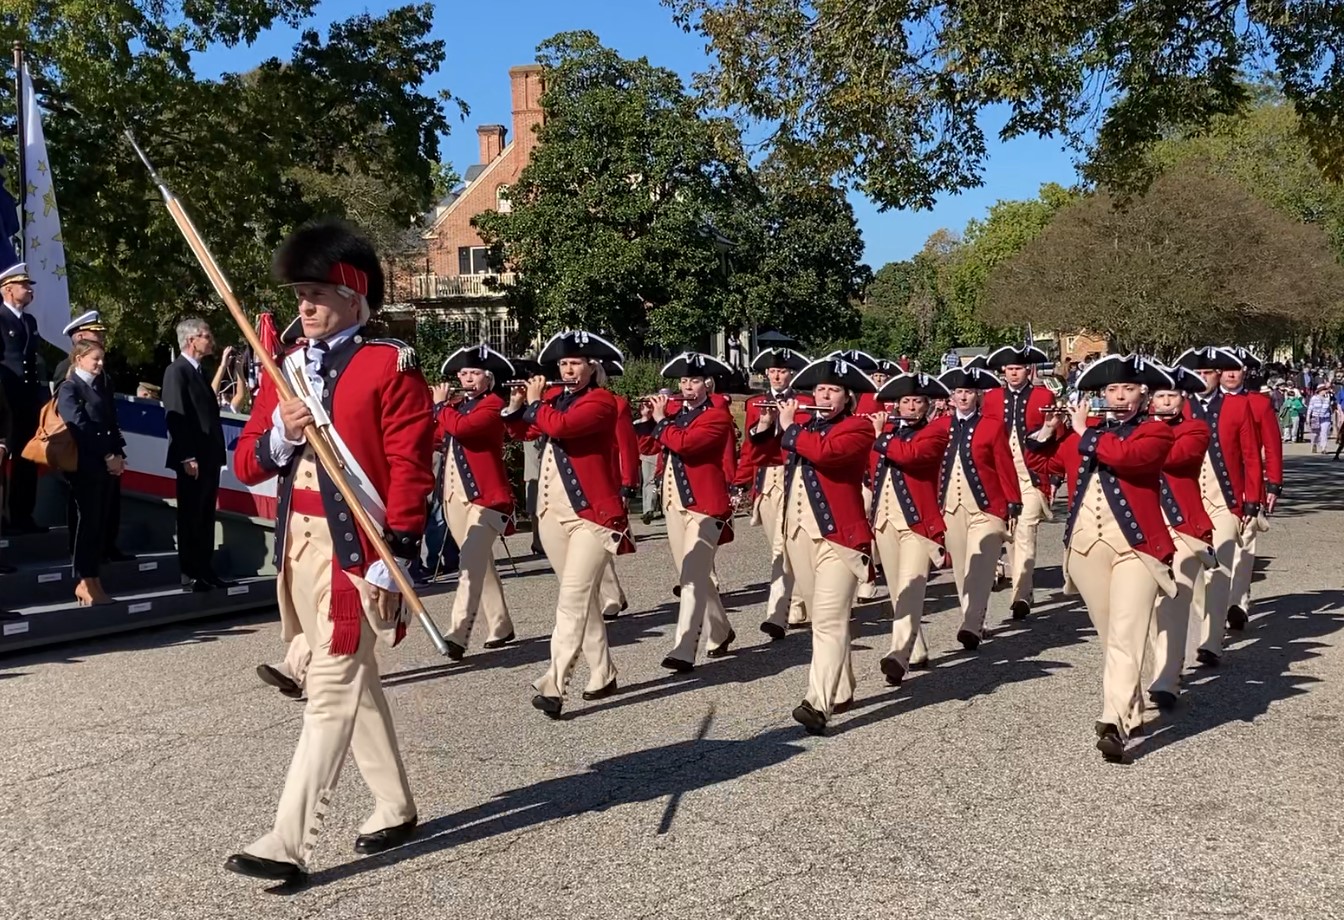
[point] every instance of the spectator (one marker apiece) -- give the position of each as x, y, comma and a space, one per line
1320, 412
86, 405
1291, 413
230, 386
195, 453
147, 391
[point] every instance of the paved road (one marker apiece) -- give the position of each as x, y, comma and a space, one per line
132, 767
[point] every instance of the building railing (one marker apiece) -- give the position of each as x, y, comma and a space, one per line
435, 287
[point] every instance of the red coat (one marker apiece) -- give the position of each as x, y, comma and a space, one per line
1028, 417
692, 441
477, 431
762, 450
1130, 457
1234, 449
385, 418
628, 470
913, 457
1271, 439
990, 462
1182, 498
832, 457
648, 444
578, 425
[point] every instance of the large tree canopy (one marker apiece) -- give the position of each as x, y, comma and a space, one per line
894, 93
1197, 259
343, 126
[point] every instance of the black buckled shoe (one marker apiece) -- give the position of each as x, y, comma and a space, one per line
271, 870
497, 643
810, 718
550, 705
1109, 742
455, 652
676, 664
281, 681
1020, 610
892, 670
602, 693
389, 838
722, 649
1164, 700
772, 630
969, 640
1236, 618
1207, 658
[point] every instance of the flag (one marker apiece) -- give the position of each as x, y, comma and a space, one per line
43, 248
9, 223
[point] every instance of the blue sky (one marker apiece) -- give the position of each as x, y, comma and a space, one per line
480, 51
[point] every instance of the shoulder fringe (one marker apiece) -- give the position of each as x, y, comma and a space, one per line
406, 359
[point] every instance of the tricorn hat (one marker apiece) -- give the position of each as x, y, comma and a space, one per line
577, 343
1184, 380
331, 252
860, 359
1025, 355
613, 368
979, 362
779, 357
1125, 369
1248, 360
890, 368
696, 364
1209, 358
481, 357
912, 385
969, 378
834, 371
87, 322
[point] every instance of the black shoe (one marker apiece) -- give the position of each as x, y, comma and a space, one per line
495, 643
892, 670
455, 651
773, 631
1020, 610
280, 681
803, 624
920, 665
806, 715
722, 649
842, 708
969, 640
1164, 700
272, 870
217, 582
1207, 658
1236, 618
1109, 742
389, 838
601, 694
676, 664
611, 616
201, 586
551, 705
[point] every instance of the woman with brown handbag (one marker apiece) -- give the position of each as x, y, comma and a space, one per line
88, 407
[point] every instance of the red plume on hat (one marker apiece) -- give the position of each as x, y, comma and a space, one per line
331, 252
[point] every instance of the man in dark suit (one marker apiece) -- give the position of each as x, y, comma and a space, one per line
19, 344
195, 452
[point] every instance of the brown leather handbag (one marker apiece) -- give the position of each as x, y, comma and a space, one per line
53, 444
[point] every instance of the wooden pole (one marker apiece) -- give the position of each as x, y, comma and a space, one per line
326, 453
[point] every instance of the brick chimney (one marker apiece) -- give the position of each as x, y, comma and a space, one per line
528, 84
491, 138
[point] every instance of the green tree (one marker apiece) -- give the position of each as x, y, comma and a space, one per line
1197, 259
893, 93
342, 127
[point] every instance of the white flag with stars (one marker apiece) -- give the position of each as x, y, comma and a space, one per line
43, 248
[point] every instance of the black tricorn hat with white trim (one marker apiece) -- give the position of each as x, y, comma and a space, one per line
1208, 358
578, 343
1245, 356
696, 364
979, 363
836, 372
1125, 369
482, 357
780, 357
860, 359
969, 378
890, 368
912, 385
1184, 380
1008, 355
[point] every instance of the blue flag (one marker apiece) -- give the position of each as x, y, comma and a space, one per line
9, 223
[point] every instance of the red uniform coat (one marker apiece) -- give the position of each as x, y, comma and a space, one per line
628, 471
1182, 498
1027, 411
648, 444
1129, 457
912, 456
832, 457
1271, 439
384, 416
477, 431
692, 441
578, 425
1234, 449
764, 449
985, 458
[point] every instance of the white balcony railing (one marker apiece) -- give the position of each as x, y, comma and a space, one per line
435, 287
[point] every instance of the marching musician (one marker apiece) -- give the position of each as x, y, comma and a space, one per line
331, 586
979, 495
1231, 482
1266, 423
907, 520
876, 371
629, 472
760, 468
477, 496
1191, 534
695, 501
1118, 546
826, 531
1021, 406
580, 509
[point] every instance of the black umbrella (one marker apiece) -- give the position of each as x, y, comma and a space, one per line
773, 338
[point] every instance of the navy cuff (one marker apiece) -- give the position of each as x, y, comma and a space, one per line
791, 436
1274, 488
880, 445
758, 436
660, 427
264, 457
402, 544
1087, 444
530, 413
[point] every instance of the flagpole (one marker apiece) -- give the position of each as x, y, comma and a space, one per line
23, 169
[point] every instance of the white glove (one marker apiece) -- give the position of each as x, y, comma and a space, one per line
379, 576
